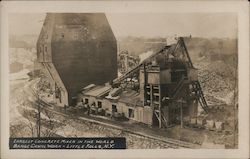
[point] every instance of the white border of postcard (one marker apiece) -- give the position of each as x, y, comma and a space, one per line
239, 7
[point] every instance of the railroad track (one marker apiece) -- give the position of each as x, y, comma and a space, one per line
173, 143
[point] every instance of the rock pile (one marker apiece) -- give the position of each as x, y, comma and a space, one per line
217, 79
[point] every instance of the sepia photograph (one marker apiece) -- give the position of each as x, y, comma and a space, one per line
140, 76
96, 79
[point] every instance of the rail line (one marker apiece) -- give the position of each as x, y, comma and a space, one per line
172, 143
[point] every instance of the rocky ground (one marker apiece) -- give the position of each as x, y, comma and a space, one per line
23, 122
217, 80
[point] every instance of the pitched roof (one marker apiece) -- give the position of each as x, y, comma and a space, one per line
98, 91
130, 97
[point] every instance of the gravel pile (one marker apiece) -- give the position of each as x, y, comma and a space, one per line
217, 80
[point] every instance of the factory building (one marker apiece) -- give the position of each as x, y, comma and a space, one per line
76, 49
163, 90
79, 54
115, 102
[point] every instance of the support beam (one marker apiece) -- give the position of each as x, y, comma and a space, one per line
186, 51
151, 95
160, 115
145, 84
182, 114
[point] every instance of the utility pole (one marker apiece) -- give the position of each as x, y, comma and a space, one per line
38, 109
181, 101
39, 118
160, 115
38, 115
181, 114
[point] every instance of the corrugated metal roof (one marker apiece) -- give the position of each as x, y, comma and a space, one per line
88, 86
98, 91
130, 97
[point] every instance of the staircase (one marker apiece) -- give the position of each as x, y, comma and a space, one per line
163, 118
179, 86
196, 88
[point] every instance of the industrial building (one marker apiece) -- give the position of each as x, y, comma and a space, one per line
163, 90
79, 54
76, 49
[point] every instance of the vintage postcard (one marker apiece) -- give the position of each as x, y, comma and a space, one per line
141, 79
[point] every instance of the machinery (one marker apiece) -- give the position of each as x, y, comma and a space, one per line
168, 83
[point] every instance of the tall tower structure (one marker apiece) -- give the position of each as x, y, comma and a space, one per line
77, 49
169, 85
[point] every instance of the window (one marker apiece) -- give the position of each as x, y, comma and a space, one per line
131, 113
99, 104
190, 86
157, 98
60, 99
86, 101
46, 49
74, 100
58, 94
114, 109
57, 91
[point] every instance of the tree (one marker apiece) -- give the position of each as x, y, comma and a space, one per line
39, 90
50, 124
27, 125
30, 116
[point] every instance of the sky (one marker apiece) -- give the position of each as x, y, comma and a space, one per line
208, 25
